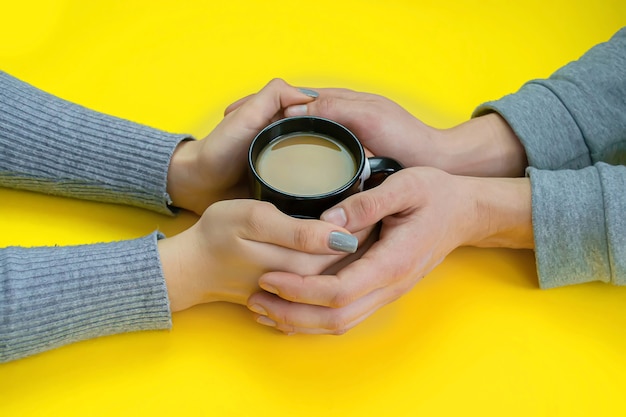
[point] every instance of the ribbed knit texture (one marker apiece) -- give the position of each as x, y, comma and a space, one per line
57, 295
573, 125
57, 147
51, 296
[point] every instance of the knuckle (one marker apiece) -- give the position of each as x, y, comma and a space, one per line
215, 211
337, 323
303, 239
276, 82
367, 206
342, 298
340, 332
212, 210
255, 220
286, 328
326, 106
285, 322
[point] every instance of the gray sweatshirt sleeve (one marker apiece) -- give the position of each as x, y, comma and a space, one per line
573, 128
51, 296
53, 146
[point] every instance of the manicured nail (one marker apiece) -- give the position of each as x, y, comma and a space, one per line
310, 93
343, 242
266, 321
336, 216
258, 309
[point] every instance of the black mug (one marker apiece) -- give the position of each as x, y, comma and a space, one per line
304, 165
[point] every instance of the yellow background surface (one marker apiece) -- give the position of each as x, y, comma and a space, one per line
476, 337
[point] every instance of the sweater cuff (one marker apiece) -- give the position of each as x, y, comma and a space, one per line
549, 134
569, 227
52, 296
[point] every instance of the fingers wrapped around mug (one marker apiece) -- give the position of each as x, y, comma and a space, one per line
271, 100
347, 298
205, 171
410, 245
222, 256
262, 222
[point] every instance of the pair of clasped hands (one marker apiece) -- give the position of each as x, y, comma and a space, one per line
248, 252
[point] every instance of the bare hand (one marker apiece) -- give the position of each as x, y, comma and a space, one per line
223, 255
383, 126
203, 172
426, 213
485, 146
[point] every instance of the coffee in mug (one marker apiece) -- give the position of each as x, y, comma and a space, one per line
306, 164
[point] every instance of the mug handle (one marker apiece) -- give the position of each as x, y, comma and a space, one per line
379, 169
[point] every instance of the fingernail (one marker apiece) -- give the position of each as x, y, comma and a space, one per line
298, 110
266, 321
258, 309
336, 216
343, 242
269, 288
308, 92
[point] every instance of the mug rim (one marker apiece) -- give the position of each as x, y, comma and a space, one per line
360, 164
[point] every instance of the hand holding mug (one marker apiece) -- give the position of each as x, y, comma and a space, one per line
202, 172
426, 213
222, 256
484, 146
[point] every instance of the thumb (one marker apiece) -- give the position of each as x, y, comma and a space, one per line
369, 207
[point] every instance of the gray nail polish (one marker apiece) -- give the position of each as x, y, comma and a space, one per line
343, 242
310, 93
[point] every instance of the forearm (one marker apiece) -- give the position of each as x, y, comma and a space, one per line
51, 296
574, 219
577, 116
50, 145
501, 211
483, 147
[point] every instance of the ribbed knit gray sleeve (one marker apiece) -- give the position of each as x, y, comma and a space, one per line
573, 127
51, 296
51, 145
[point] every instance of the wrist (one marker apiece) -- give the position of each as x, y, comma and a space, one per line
187, 280
182, 176
502, 212
485, 146
173, 274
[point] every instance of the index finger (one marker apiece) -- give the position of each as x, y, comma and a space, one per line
261, 221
